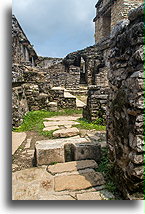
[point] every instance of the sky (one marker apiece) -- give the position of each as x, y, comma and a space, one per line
57, 27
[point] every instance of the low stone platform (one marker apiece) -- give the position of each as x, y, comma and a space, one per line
82, 183
17, 140
68, 132
66, 149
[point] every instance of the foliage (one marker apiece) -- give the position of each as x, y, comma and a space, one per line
106, 168
85, 124
33, 120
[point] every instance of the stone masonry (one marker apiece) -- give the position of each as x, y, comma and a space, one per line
125, 121
109, 13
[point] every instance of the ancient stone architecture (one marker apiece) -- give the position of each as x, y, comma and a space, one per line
109, 13
111, 74
39, 83
125, 121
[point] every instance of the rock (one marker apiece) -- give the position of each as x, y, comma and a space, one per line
83, 180
17, 140
30, 184
69, 132
48, 152
52, 106
72, 166
59, 123
88, 150
135, 13
63, 118
89, 196
28, 144
50, 128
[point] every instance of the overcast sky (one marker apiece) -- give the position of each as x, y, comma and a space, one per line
57, 27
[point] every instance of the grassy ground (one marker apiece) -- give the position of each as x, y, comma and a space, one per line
33, 121
106, 168
84, 124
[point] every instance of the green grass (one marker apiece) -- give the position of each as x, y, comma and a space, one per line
84, 124
106, 168
33, 121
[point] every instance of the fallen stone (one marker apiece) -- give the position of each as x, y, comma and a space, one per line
30, 184
83, 180
59, 123
49, 151
69, 132
51, 128
88, 150
52, 106
63, 118
89, 196
72, 166
17, 140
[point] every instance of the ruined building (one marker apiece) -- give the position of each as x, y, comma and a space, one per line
112, 71
109, 13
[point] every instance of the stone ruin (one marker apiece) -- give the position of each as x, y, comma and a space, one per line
112, 70
125, 121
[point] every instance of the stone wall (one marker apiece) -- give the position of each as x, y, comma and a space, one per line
125, 121
97, 93
109, 13
96, 103
22, 50
19, 105
86, 55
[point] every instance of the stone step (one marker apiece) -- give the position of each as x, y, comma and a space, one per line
17, 140
66, 150
83, 180
69, 132
72, 166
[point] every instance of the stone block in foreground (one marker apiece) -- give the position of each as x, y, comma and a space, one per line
69, 132
84, 179
85, 151
72, 166
48, 152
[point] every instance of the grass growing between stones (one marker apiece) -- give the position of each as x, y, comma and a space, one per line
85, 124
106, 168
33, 121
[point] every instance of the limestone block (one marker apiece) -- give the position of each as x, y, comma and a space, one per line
89, 196
52, 106
69, 132
50, 128
84, 151
82, 180
72, 166
48, 152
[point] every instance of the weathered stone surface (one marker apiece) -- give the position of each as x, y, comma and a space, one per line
69, 132
59, 123
51, 128
72, 166
83, 151
30, 184
89, 196
83, 180
125, 124
134, 14
48, 152
17, 140
54, 197
63, 118
52, 106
